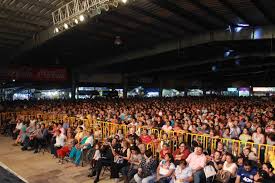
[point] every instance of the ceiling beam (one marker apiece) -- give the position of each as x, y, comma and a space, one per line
38, 3
11, 37
22, 13
187, 41
212, 13
179, 11
229, 6
202, 62
15, 32
11, 25
137, 29
229, 70
262, 9
152, 26
8, 14
161, 19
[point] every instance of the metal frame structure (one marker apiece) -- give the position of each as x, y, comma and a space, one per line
69, 14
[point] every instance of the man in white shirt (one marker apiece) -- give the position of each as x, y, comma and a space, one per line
60, 139
17, 129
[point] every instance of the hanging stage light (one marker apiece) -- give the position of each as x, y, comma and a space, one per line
81, 18
115, 3
56, 30
106, 7
73, 12
66, 26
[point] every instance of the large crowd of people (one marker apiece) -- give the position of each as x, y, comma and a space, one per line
125, 154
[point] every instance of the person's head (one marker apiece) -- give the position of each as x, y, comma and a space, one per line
165, 146
164, 136
268, 168
80, 129
229, 158
42, 126
183, 164
144, 132
182, 146
245, 131
124, 144
240, 161
134, 150
246, 152
220, 146
97, 146
247, 165
148, 154
259, 130
227, 131
167, 123
217, 155
168, 157
114, 142
38, 126
198, 150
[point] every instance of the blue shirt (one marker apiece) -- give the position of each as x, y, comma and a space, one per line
246, 177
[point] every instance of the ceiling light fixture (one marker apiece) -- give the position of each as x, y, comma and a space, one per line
66, 26
81, 18
117, 41
76, 21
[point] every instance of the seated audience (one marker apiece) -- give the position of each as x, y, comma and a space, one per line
146, 169
166, 169
183, 173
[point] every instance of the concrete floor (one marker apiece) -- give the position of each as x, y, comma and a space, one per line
39, 168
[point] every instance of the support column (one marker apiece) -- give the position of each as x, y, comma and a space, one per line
73, 89
160, 88
125, 86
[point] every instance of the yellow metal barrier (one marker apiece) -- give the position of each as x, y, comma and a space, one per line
175, 137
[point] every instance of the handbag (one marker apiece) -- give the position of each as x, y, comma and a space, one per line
209, 171
223, 176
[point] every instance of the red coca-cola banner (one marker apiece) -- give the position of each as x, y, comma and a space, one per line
34, 74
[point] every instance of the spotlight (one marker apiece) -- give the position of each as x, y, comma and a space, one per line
237, 62
106, 7
13, 80
66, 26
98, 11
117, 41
124, 1
81, 18
115, 4
214, 68
76, 21
56, 30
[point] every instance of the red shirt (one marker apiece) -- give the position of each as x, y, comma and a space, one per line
184, 154
146, 139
